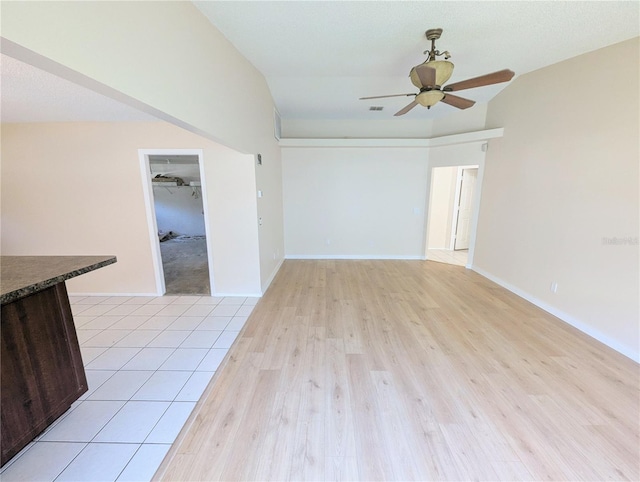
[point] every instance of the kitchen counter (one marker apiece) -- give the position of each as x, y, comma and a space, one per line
21, 276
42, 372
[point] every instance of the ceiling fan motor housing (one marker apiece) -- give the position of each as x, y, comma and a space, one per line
443, 69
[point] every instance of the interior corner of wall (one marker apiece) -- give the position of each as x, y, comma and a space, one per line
271, 277
485, 108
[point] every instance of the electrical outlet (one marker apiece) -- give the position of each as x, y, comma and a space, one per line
554, 287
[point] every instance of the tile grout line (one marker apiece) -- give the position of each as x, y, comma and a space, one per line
196, 375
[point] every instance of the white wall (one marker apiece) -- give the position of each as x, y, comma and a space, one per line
560, 183
383, 125
354, 202
443, 189
138, 53
461, 121
178, 209
367, 202
59, 199
333, 202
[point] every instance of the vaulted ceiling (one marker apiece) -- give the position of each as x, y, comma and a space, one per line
319, 57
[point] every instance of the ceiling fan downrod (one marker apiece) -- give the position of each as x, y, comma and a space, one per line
434, 34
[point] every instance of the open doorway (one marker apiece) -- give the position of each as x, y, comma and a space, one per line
451, 208
177, 206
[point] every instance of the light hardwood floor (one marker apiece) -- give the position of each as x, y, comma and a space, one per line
409, 370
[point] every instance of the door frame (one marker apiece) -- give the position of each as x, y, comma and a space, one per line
456, 204
152, 223
454, 161
454, 217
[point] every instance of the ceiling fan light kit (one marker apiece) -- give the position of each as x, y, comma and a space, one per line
428, 98
431, 75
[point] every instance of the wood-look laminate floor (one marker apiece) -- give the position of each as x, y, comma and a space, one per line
409, 370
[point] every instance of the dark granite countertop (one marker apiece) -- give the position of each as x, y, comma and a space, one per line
21, 276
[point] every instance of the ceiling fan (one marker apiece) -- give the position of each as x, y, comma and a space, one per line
430, 76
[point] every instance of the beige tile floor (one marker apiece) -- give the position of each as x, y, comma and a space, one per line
448, 256
147, 360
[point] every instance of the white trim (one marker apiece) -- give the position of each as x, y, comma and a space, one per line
466, 137
207, 228
394, 142
237, 295
352, 256
147, 295
563, 316
455, 208
152, 224
143, 155
477, 194
475, 207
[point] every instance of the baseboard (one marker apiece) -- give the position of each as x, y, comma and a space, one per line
567, 318
115, 294
238, 295
156, 295
352, 256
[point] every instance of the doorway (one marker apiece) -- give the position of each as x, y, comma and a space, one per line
177, 207
463, 207
451, 209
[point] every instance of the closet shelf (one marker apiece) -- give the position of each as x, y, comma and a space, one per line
175, 184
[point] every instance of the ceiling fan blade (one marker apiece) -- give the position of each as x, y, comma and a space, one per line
383, 96
459, 102
406, 108
426, 74
488, 79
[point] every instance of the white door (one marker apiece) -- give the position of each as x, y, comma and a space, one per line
465, 206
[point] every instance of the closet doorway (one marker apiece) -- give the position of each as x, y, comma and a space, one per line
180, 222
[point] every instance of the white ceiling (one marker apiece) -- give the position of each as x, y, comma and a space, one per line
319, 57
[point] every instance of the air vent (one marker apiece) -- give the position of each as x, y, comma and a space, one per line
375, 107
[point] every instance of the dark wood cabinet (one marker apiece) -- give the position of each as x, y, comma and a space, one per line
42, 371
